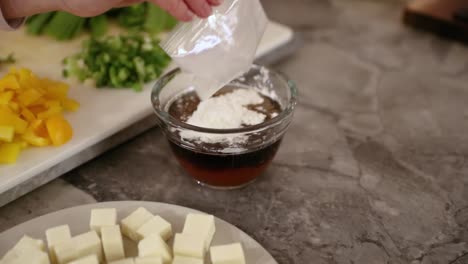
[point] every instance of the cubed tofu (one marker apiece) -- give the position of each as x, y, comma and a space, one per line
54, 236
65, 251
156, 225
92, 259
27, 242
25, 245
201, 225
112, 243
154, 246
102, 217
135, 220
186, 260
33, 256
227, 254
189, 245
88, 244
123, 261
148, 260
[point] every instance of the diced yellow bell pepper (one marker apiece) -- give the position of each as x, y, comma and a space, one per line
28, 115
38, 127
9, 82
29, 96
5, 97
23, 75
9, 153
53, 108
20, 141
70, 104
9, 119
7, 133
56, 90
14, 107
60, 131
13, 70
31, 113
35, 140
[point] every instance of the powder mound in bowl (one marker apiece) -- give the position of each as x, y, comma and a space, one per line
226, 111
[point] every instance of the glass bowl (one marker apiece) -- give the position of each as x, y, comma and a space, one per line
232, 158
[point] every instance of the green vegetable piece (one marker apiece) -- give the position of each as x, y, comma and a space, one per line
8, 59
156, 19
98, 25
132, 16
137, 87
30, 19
125, 61
139, 67
64, 26
36, 23
171, 22
78, 28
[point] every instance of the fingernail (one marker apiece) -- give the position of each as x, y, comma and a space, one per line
189, 14
206, 10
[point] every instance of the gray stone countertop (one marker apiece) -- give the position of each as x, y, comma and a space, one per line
373, 169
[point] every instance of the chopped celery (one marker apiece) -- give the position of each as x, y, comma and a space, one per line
138, 17
36, 23
63, 26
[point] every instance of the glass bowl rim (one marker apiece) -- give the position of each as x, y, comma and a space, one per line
168, 119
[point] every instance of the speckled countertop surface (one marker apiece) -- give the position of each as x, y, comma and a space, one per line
373, 169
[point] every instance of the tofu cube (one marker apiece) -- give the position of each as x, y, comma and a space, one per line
65, 251
227, 254
135, 220
92, 259
148, 260
156, 225
23, 247
154, 246
123, 261
28, 243
54, 236
201, 225
88, 244
189, 245
33, 256
102, 217
112, 243
186, 260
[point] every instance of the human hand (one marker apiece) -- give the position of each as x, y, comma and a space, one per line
183, 10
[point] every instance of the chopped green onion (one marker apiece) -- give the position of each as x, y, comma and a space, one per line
124, 61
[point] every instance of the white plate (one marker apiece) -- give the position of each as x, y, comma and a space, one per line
103, 112
78, 220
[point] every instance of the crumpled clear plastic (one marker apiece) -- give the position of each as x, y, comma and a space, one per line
219, 48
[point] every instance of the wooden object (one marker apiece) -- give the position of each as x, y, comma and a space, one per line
446, 18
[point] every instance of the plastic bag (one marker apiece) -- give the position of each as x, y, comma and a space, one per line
219, 48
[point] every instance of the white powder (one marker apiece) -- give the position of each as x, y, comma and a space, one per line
225, 112
228, 110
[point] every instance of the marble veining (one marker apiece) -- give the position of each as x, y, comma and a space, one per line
374, 167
